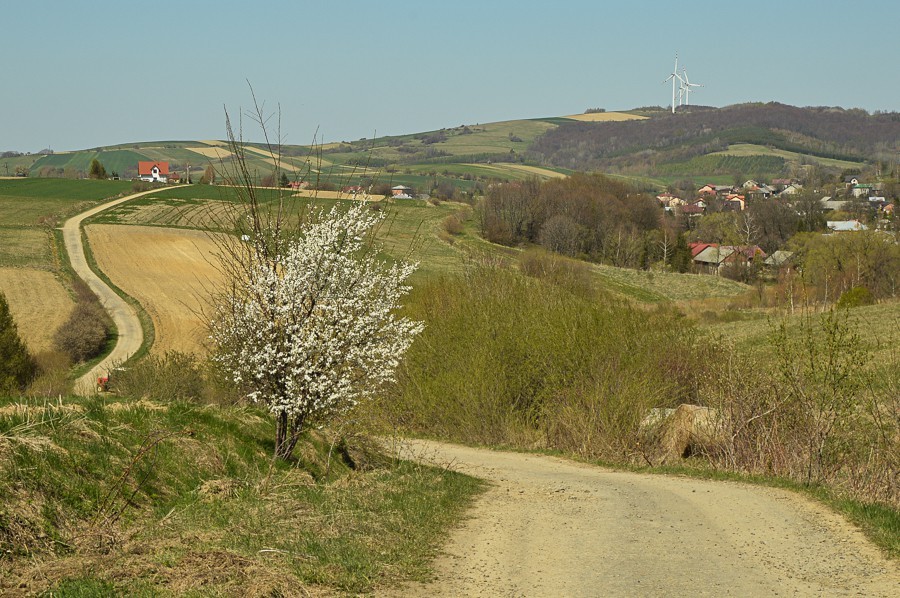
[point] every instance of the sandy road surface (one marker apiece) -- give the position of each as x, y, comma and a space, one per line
549, 527
129, 326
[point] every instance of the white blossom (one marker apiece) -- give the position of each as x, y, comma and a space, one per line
313, 330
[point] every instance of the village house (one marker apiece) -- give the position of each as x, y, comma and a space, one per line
861, 190
352, 190
712, 258
792, 189
153, 172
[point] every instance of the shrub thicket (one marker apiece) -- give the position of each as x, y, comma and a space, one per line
511, 359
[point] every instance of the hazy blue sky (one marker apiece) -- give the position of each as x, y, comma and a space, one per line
83, 74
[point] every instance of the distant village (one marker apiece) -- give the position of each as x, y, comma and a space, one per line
712, 258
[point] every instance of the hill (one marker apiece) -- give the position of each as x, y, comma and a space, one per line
652, 146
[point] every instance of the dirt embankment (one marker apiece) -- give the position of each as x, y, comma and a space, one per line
550, 527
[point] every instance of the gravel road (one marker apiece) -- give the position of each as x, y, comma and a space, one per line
550, 527
131, 335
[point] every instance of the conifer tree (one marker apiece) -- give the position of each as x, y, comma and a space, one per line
17, 366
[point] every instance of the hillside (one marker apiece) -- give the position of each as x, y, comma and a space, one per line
654, 147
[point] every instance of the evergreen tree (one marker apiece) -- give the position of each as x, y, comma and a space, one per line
17, 366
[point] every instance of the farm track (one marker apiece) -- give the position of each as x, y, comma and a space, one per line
551, 527
130, 333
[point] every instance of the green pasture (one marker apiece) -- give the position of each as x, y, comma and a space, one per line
768, 166
26, 248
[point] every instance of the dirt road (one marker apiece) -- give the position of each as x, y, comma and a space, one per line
550, 527
129, 326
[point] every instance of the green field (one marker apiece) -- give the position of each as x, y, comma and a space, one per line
29, 201
647, 286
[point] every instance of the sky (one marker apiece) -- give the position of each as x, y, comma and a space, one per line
84, 74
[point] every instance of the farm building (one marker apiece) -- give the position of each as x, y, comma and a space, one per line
153, 172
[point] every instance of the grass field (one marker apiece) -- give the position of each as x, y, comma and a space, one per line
653, 287
28, 201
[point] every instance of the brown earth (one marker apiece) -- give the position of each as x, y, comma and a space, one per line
550, 527
38, 302
168, 271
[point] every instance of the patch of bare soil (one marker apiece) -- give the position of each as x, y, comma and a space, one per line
551, 527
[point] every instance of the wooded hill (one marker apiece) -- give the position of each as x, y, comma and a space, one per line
653, 145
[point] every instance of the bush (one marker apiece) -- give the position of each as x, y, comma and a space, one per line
452, 225
173, 377
855, 297
84, 334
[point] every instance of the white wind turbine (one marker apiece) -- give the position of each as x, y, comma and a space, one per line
686, 87
672, 78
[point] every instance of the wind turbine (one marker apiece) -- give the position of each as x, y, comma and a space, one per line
686, 87
672, 78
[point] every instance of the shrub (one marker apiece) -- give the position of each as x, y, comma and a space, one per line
173, 377
855, 297
84, 334
452, 225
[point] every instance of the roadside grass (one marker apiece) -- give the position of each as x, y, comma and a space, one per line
133, 497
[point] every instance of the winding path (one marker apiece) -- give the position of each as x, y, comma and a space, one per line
551, 527
131, 335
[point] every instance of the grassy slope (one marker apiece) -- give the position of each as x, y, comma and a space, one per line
181, 498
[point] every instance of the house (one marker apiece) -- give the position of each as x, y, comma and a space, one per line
779, 259
852, 179
792, 189
750, 185
846, 226
153, 172
861, 190
780, 184
734, 202
690, 210
715, 257
401, 192
707, 190
297, 185
353, 189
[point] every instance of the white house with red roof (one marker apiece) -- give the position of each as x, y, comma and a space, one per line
153, 172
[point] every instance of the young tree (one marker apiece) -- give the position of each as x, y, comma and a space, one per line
17, 367
306, 322
97, 170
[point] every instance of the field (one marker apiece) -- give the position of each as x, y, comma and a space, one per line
749, 149
28, 202
598, 117
168, 273
654, 287
38, 302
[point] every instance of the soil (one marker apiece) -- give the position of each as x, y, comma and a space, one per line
550, 527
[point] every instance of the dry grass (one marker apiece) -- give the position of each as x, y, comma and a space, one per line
597, 117
38, 302
169, 275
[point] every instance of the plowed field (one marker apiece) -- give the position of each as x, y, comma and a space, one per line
168, 271
39, 304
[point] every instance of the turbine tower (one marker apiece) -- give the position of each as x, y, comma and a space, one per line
673, 77
687, 85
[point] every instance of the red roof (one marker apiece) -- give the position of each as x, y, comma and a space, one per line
144, 168
696, 248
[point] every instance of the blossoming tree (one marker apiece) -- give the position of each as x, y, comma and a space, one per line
311, 330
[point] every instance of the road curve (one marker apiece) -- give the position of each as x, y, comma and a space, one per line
131, 335
551, 527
